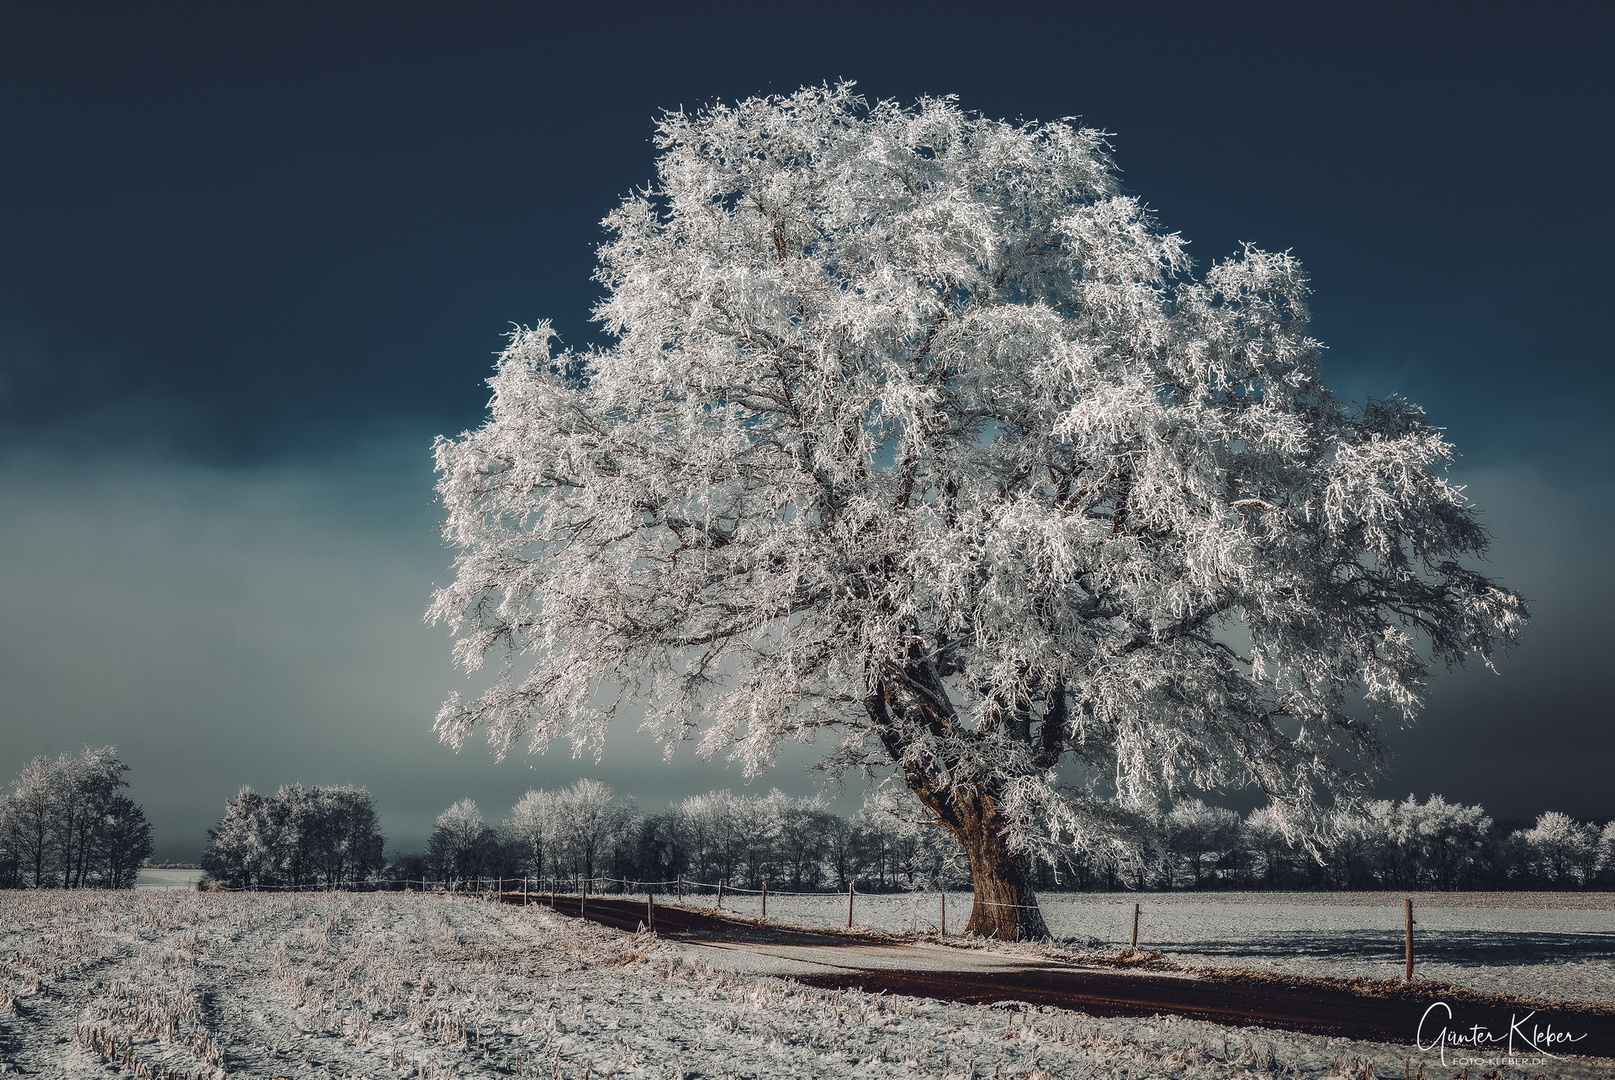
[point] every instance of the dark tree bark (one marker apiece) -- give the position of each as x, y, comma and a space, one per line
1005, 907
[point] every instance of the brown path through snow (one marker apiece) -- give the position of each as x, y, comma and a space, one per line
1378, 1012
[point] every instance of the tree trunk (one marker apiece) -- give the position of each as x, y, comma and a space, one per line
1005, 907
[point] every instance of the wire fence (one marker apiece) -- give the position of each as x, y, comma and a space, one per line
741, 900
1377, 931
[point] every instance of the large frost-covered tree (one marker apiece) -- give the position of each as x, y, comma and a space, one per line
917, 428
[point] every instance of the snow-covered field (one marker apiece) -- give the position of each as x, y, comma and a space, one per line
171, 984
1532, 944
167, 878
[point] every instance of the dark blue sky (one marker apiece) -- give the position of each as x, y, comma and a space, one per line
253, 258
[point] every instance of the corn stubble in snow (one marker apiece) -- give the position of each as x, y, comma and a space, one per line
167, 985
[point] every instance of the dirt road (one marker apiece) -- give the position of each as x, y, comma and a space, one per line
1377, 1012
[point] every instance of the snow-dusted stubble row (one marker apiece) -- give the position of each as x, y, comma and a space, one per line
386, 984
905, 386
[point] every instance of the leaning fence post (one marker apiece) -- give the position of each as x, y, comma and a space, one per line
1407, 914
1135, 928
849, 905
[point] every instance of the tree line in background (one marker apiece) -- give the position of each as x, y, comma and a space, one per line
65, 823
297, 838
1433, 845
328, 837
583, 832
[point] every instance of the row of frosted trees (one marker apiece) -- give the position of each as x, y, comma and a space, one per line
65, 823
330, 838
584, 832
1383, 845
297, 838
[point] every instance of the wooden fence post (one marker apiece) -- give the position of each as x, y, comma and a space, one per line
944, 914
681, 888
849, 905
1135, 928
765, 900
1407, 914
719, 904
650, 912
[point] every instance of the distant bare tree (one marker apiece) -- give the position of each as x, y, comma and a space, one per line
461, 842
242, 847
84, 787
714, 826
1604, 857
593, 820
1561, 850
803, 836
122, 843
1446, 843
535, 824
1265, 837
341, 834
11, 859
34, 801
1200, 836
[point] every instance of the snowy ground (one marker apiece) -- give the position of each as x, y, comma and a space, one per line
1558, 945
172, 983
167, 878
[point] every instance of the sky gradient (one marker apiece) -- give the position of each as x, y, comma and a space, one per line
253, 260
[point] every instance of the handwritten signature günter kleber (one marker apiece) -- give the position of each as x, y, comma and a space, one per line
1538, 1038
